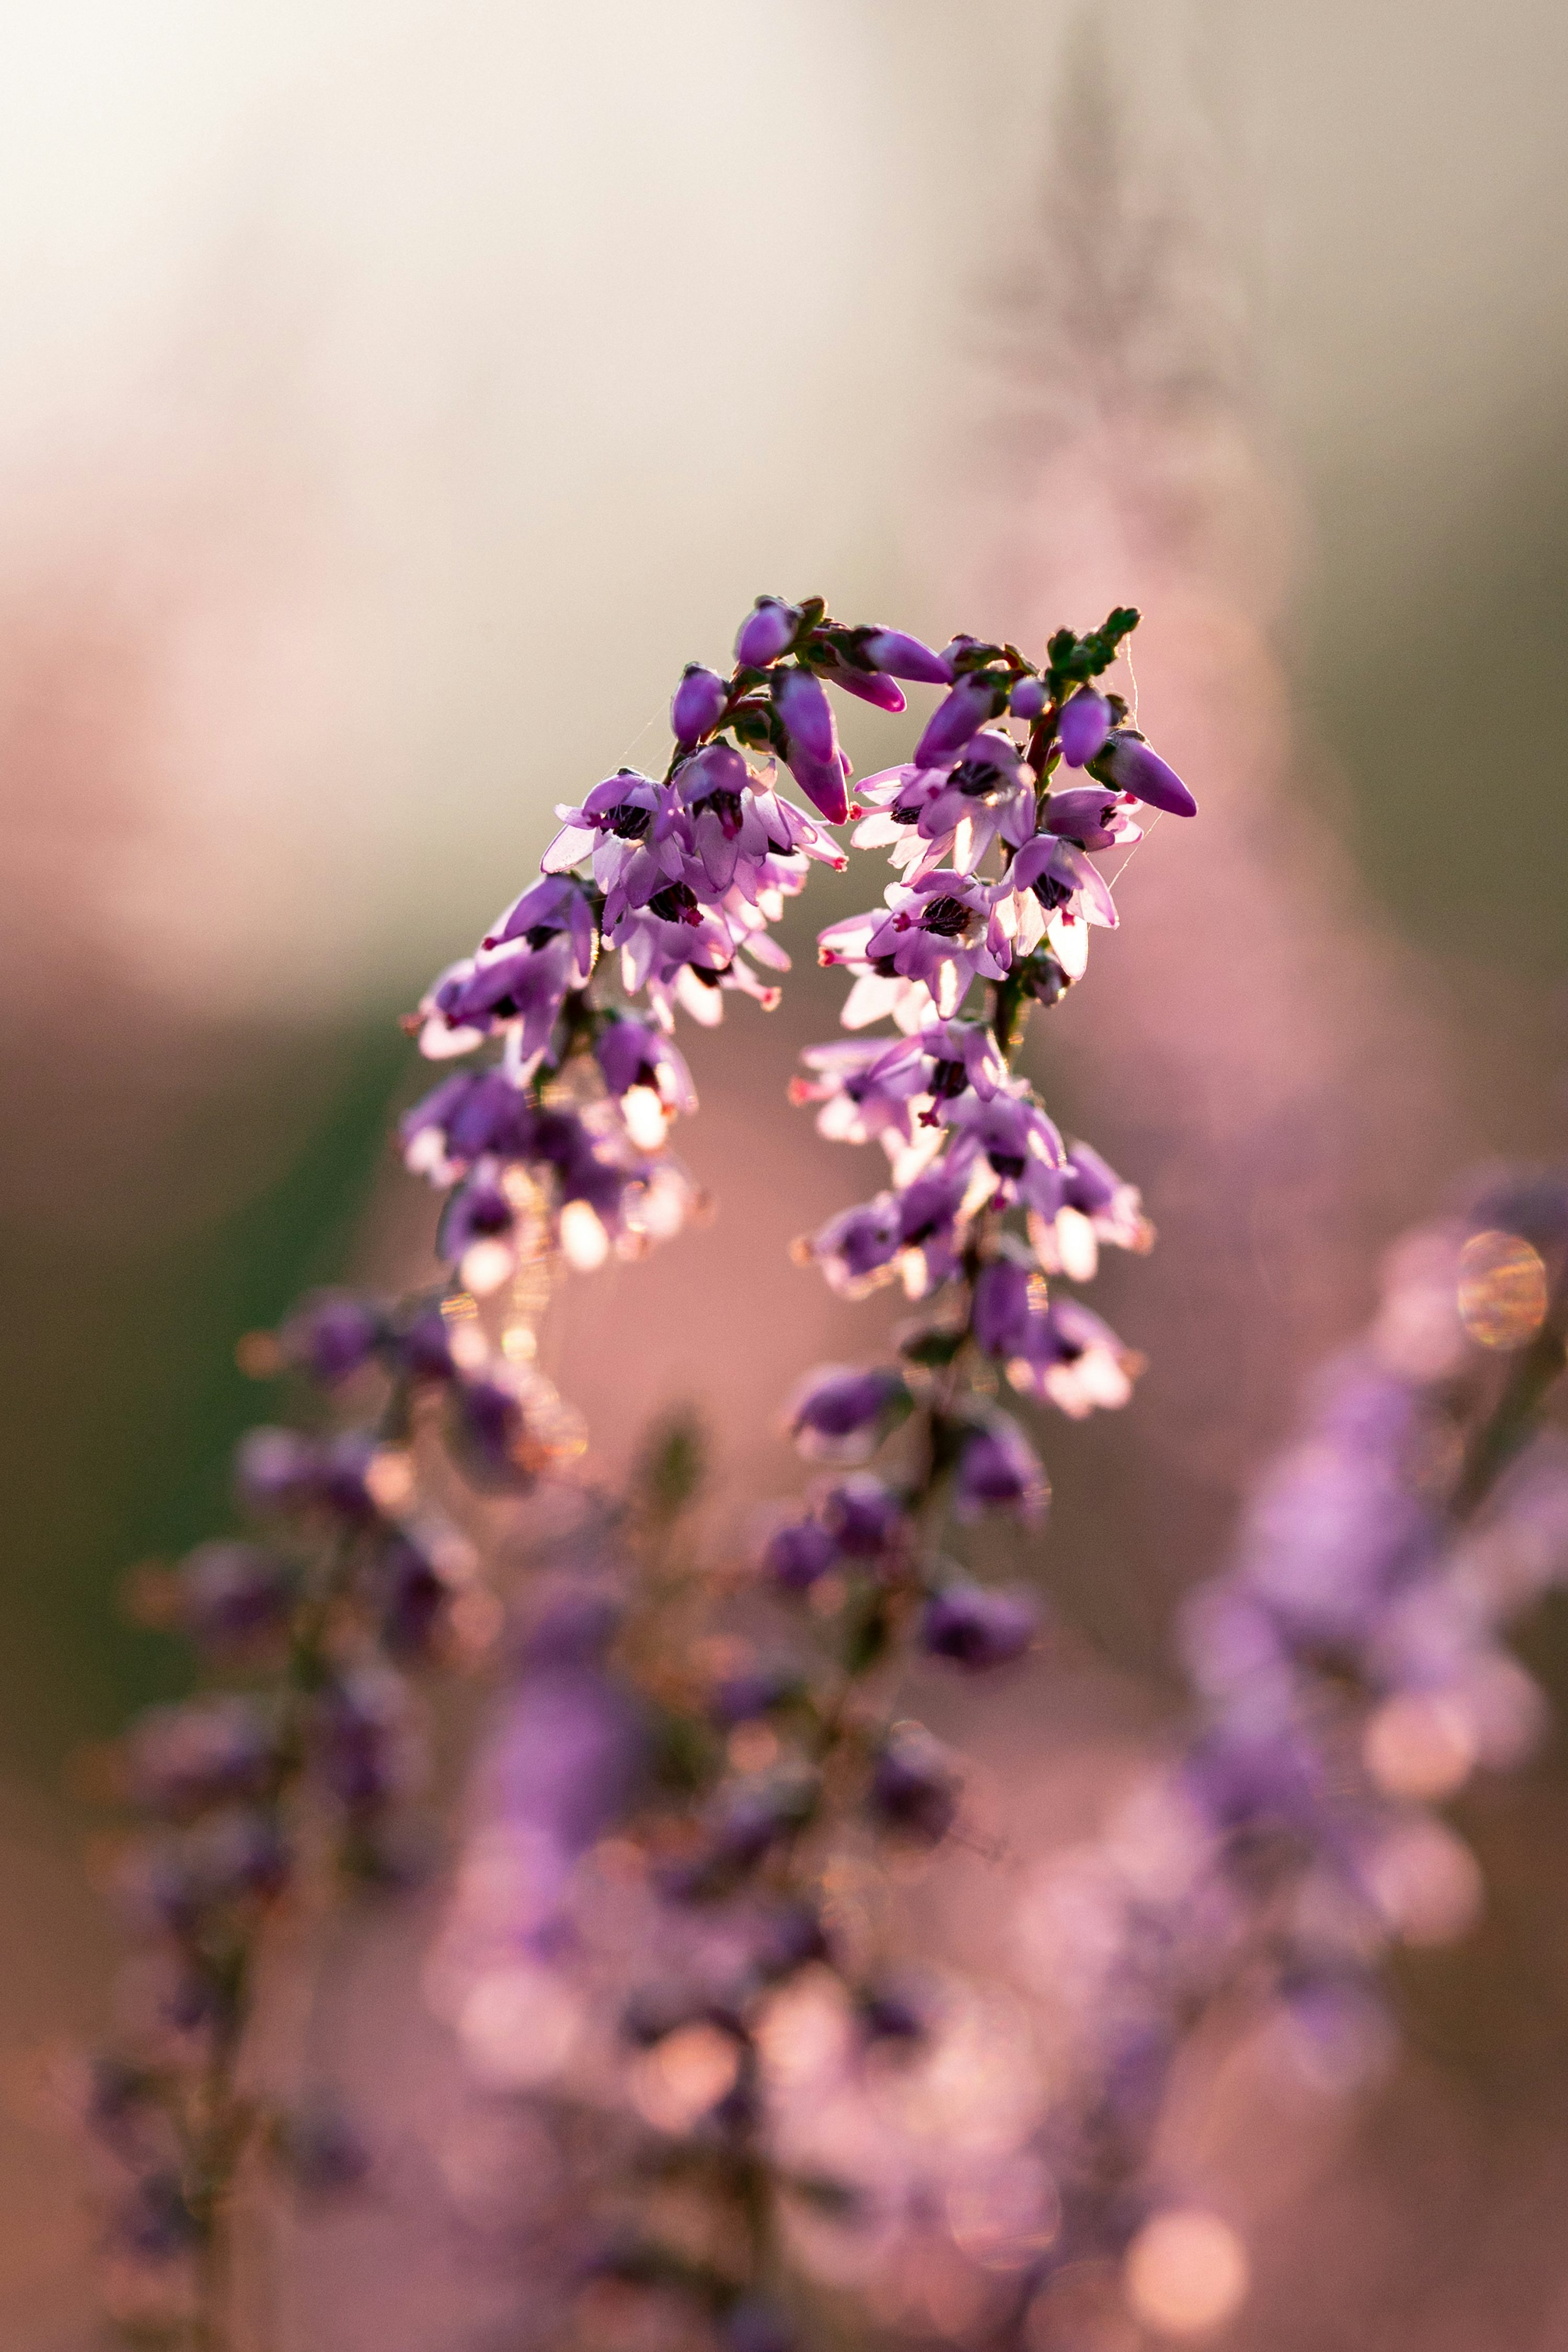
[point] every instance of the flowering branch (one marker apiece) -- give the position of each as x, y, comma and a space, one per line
557, 1147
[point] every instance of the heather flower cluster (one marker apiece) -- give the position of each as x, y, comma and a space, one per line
678, 1940
725, 1781
647, 1930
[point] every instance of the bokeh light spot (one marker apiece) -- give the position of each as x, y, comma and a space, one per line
1187, 2272
1502, 1290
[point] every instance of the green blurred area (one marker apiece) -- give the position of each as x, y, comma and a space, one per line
120, 1395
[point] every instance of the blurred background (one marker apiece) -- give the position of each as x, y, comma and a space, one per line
393, 399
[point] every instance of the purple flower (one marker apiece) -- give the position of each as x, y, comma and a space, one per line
1030, 697
1084, 726
999, 1469
698, 704
362, 1740
951, 814
978, 1625
553, 907
867, 686
913, 1785
625, 823
1129, 764
276, 1470
154, 2221
412, 1596
331, 1334
632, 1053
825, 782
898, 655
811, 748
864, 1516
744, 1697
515, 984
741, 1823
466, 1117
768, 631
1093, 1205
857, 1245
566, 1759
421, 1347
939, 935
208, 1751
230, 1594
341, 1482
1070, 1358
479, 1210
1017, 1143
999, 1313
957, 717
798, 1553
839, 1414
1060, 878
490, 1433
1091, 815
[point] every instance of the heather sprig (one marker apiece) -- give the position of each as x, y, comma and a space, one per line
740, 1773
726, 1790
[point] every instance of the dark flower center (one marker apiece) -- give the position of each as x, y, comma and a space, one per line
630, 823
976, 778
675, 903
947, 917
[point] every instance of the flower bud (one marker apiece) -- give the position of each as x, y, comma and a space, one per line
870, 686
802, 704
978, 1625
864, 1516
276, 1470
1085, 725
844, 1415
229, 1594
898, 655
957, 717
999, 1470
1029, 697
1000, 1309
796, 1555
697, 703
767, 630
330, 1335
825, 782
1127, 762
914, 1787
